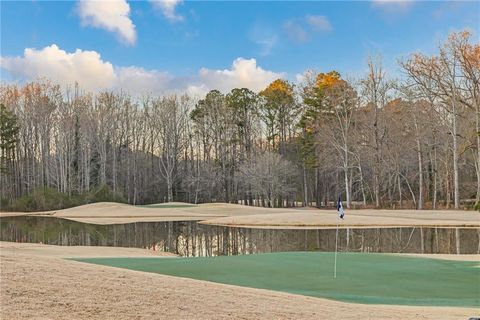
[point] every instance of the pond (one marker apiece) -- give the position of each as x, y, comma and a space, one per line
190, 238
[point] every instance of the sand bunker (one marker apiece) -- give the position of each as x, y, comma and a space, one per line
35, 249
305, 219
239, 215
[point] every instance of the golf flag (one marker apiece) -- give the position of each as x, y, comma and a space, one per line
341, 213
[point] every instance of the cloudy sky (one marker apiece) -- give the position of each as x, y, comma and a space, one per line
172, 46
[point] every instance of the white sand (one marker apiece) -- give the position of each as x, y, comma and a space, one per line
238, 215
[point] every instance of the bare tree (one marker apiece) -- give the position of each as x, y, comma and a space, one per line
270, 177
169, 122
375, 89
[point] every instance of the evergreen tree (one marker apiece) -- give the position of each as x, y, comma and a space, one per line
8, 137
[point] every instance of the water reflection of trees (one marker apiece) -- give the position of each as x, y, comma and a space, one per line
188, 238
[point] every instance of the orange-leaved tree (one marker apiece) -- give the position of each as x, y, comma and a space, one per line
278, 111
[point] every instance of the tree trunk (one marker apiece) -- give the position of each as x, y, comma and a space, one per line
347, 188
477, 127
305, 191
347, 184
317, 189
420, 163
434, 204
399, 182
456, 192
362, 185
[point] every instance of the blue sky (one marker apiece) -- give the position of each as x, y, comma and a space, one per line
168, 43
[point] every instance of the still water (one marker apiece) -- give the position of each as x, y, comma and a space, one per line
189, 238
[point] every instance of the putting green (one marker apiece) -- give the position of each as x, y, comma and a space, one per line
361, 278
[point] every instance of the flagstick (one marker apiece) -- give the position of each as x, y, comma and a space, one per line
336, 242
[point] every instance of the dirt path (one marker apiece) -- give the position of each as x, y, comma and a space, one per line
37, 284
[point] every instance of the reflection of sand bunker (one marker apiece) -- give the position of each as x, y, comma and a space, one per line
38, 284
238, 215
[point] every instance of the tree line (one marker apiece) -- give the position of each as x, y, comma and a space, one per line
412, 142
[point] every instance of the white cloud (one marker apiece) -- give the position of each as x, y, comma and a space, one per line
85, 67
295, 32
245, 73
139, 80
168, 8
92, 73
111, 15
393, 6
319, 23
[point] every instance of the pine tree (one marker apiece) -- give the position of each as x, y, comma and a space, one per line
8, 137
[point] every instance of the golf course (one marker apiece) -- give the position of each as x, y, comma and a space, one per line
41, 281
218, 261
361, 278
250, 160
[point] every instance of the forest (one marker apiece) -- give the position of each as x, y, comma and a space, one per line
376, 141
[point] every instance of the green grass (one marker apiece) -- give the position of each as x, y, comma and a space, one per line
361, 278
